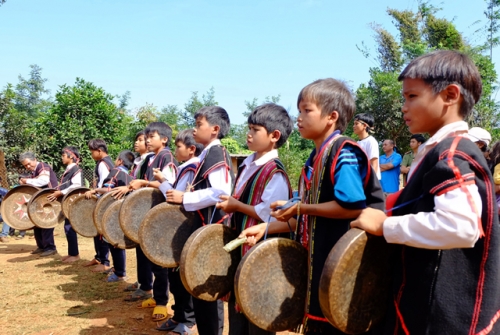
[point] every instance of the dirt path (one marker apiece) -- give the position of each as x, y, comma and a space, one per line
44, 296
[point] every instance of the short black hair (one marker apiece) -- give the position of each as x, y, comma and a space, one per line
161, 128
140, 133
442, 68
72, 152
98, 144
215, 116
272, 117
127, 157
419, 138
331, 95
366, 118
186, 136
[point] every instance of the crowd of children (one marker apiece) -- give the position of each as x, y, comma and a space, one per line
444, 223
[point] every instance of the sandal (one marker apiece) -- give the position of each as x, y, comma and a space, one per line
132, 287
113, 278
182, 329
167, 325
138, 295
160, 313
148, 303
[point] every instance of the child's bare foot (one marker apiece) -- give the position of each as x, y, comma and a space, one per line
71, 259
64, 258
101, 268
92, 262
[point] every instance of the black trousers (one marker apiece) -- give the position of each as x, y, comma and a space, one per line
144, 272
239, 324
160, 284
72, 239
183, 308
119, 260
44, 238
209, 316
101, 250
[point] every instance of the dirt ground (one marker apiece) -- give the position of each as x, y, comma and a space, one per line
44, 296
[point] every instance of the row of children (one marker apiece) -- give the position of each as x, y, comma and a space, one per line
444, 223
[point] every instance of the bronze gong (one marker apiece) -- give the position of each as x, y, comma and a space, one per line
111, 227
355, 283
163, 233
44, 213
68, 199
15, 207
271, 284
135, 206
80, 215
206, 269
101, 206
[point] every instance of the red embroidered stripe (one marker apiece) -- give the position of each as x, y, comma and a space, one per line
490, 326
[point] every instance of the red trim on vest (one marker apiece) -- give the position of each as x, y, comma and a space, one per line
316, 318
390, 202
488, 329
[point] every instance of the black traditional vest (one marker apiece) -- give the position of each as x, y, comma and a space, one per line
117, 177
164, 158
109, 164
188, 168
217, 156
67, 176
41, 166
453, 291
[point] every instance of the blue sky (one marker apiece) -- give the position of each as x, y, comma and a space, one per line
163, 50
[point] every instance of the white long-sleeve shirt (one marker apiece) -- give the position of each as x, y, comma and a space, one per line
276, 189
103, 172
185, 179
76, 180
43, 179
452, 224
200, 199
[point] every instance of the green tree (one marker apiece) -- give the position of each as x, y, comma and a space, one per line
194, 104
81, 112
29, 93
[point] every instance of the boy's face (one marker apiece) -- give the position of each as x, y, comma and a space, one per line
203, 131
183, 153
66, 160
118, 162
358, 127
140, 145
423, 110
414, 144
96, 154
155, 143
258, 139
311, 124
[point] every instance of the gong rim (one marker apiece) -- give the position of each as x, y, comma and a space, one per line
163, 234
206, 269
66, 200
111, 227
135, 206
355, 282
11, 203
274, 273
101, 206
80, 215
43, 213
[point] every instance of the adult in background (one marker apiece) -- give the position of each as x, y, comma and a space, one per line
42, 176
415, 141
390, 164
362, 127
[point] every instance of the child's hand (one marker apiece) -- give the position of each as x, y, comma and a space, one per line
175, 196
228, 204
158, 175
254, 233
283, 214
119, 192
370, 220
54, 196
89, 194
135, 184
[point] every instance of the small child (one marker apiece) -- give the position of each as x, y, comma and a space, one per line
212, 179
187, 151
261, 180
444, 223
363, 127
338, 167
71, 179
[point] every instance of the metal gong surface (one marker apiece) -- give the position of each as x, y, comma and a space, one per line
206, 269
355, 283
111, 227
80, 215
163, 233
15, 207
271, 284
68, 199
44, 213
135, 206
100, 208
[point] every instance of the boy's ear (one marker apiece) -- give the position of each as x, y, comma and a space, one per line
216, 128
333, 117
192, 149
275, 136
451, 94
